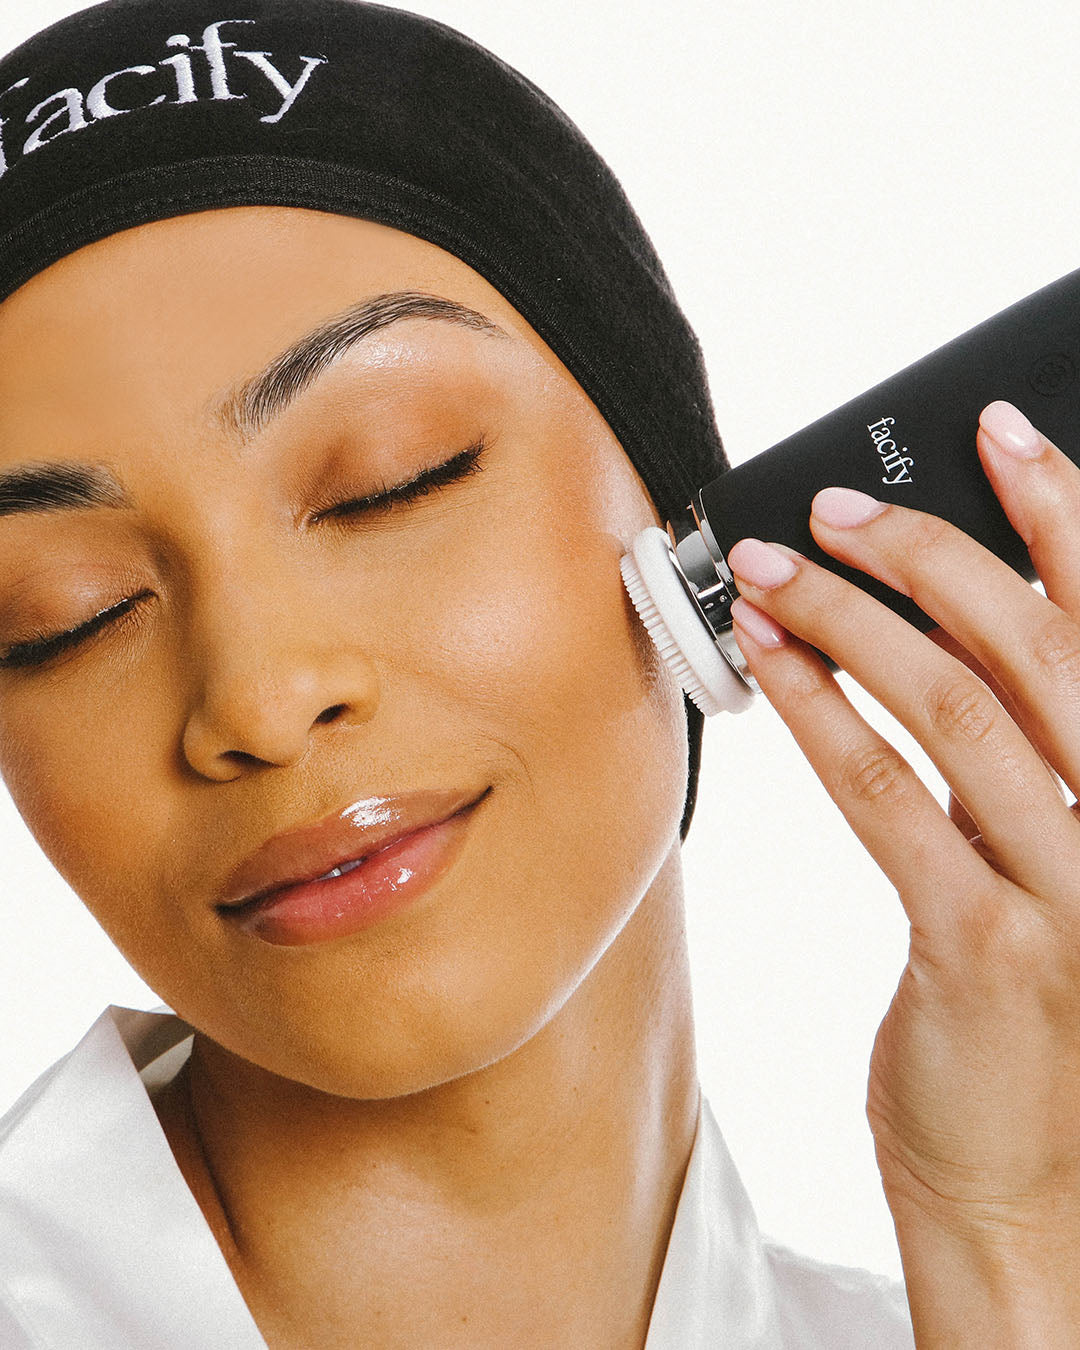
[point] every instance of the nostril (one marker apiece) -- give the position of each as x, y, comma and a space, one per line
329, 714
241, 757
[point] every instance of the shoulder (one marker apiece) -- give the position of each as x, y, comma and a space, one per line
830, 1307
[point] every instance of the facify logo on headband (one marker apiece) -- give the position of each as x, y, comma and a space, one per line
172, 81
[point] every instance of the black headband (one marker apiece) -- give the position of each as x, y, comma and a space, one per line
136, 110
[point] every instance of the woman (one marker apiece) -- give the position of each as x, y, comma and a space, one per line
311, 551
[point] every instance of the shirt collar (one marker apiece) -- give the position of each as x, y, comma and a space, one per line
715, 1280
101, 1241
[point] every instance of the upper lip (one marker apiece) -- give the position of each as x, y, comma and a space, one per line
363, 827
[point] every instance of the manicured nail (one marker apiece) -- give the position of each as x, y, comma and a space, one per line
760, 564
1010, 430
844, 507
757, 624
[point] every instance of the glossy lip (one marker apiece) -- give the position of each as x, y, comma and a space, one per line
352, 900
360, 829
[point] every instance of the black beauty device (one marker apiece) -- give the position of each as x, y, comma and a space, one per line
909, 439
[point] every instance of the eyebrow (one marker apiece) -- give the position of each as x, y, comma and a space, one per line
246, 409
266, 395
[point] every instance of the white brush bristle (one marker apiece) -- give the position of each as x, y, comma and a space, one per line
665, 644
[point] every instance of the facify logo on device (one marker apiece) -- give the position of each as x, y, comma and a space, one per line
897, 463
172, 81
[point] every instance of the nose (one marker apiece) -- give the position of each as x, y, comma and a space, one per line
267, 674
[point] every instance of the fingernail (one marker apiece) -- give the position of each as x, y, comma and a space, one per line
757, 624
760, 564
844, 507
1010, 430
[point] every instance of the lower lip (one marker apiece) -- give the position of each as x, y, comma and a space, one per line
319, 911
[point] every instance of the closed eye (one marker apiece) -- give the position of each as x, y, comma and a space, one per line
463, 464
37, 651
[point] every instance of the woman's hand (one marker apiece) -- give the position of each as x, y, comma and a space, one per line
974, 1091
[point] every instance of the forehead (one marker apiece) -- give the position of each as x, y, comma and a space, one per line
238, 243
176, 310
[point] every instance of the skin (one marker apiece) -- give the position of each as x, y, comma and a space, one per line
490, 1097
974, 1086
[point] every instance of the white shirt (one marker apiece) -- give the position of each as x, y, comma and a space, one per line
103, 1246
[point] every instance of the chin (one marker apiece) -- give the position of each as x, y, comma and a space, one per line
372, 1048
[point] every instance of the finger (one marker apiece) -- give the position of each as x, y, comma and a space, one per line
890, 809
948, 643
979, 750
1039, 489
958, 814
1029, 645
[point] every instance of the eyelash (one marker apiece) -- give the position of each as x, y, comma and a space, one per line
39, 651
463, 464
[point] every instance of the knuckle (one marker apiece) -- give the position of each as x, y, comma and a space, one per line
874, 774
809, 686
962, 709
812, 692
826, 609
930, 533
999, 937
1056, 650
929, 547
1020, 947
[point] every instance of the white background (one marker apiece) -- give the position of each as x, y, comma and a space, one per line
835, 189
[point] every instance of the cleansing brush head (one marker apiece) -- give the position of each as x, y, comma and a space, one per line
679, 631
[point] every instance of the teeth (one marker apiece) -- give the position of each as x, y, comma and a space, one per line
340, 871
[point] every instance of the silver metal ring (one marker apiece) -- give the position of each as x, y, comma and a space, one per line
706, 578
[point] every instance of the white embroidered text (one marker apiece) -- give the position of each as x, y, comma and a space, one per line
173, 80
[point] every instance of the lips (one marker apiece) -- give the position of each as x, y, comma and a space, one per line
337, 843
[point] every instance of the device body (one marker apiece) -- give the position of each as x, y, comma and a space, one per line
909, 440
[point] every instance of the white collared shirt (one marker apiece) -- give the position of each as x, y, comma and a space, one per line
103, 1246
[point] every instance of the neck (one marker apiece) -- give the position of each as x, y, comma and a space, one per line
530, 1200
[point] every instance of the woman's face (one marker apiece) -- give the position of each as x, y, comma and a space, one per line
276, 667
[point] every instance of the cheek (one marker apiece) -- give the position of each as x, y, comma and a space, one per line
548, 652
53, 776
87, 771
